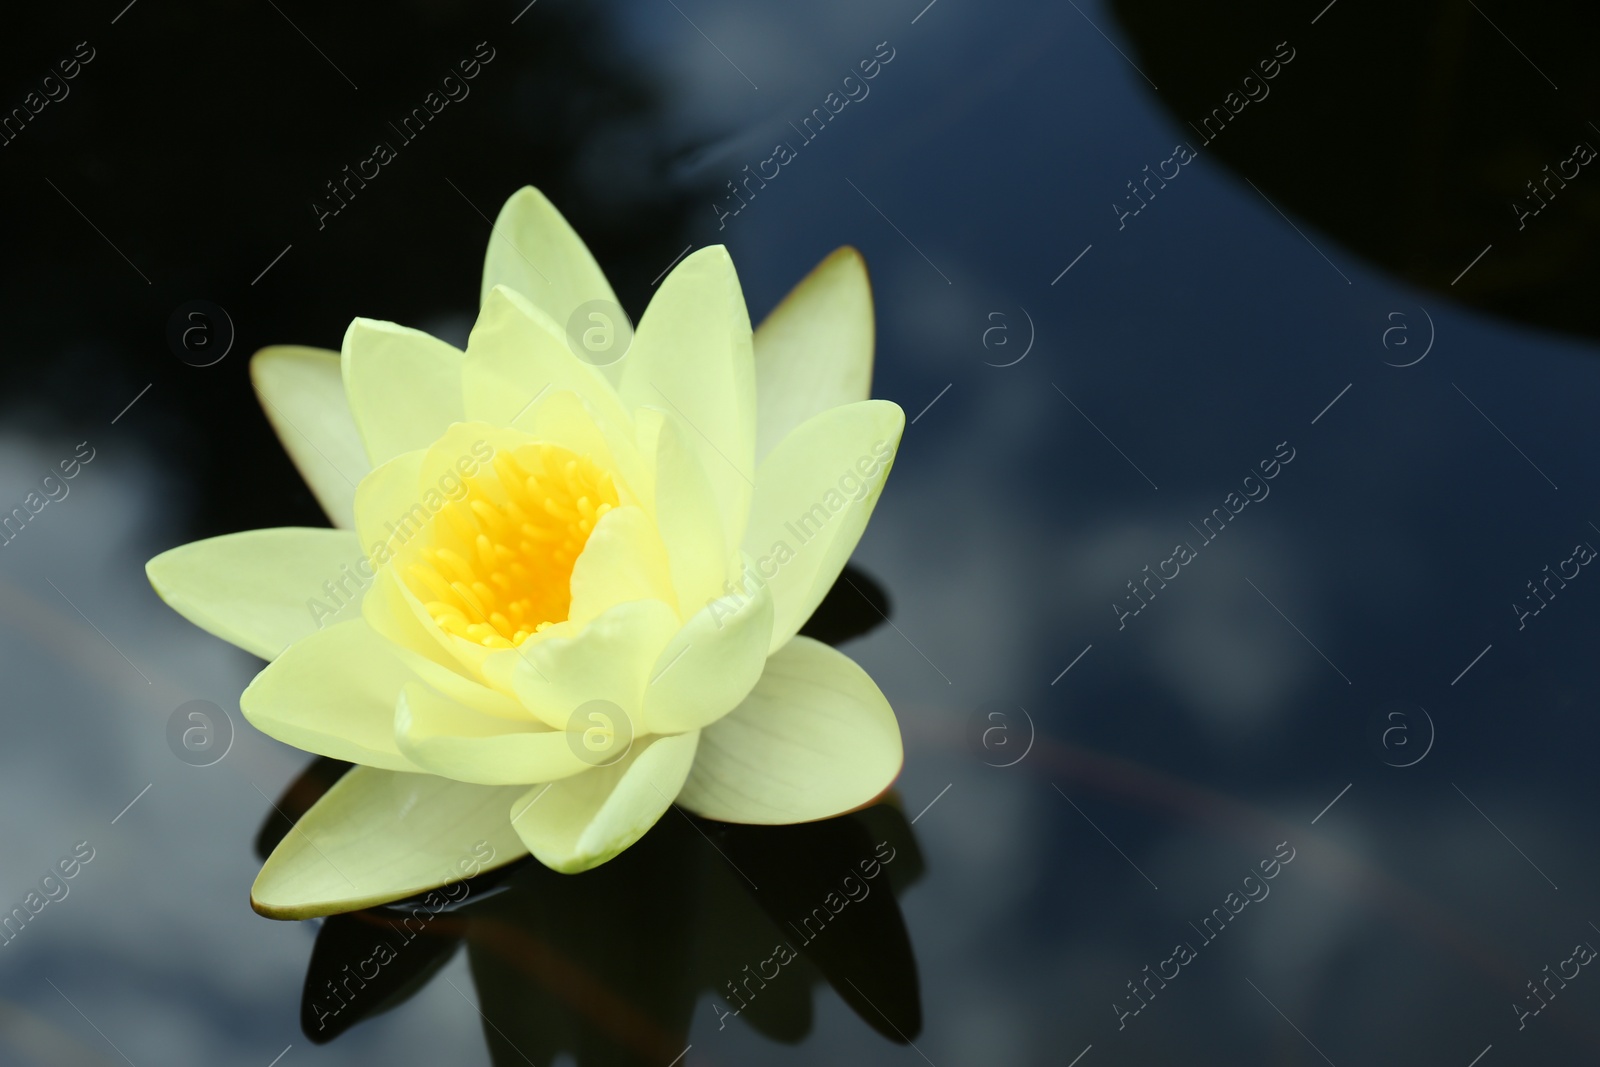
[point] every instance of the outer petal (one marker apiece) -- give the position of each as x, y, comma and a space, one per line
455, 741
404, 387
534, 251
814, 351
815, 738
302, 392
515, 354
608, 659
334, 694
580, 822
692, 356
814, 495
378, 836
256, 589
710, 665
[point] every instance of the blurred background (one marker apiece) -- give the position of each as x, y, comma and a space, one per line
1128, 258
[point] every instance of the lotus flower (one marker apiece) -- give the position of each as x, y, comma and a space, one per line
580, 586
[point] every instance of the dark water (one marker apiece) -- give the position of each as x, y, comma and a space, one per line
1307, 290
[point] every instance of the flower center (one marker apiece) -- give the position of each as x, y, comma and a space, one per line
499, 566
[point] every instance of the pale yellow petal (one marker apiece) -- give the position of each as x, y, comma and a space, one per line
444, 663
334, 694
379, 836
388, 505
814, 495
404, 386
814, 351
814, 739
711, 664
453, 740
533, 250
562, 670
686, 511
623, 560
396, 613
262, 589
302, 392
583, 821
692, 357
517, 353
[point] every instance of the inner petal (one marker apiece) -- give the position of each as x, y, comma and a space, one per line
497, 563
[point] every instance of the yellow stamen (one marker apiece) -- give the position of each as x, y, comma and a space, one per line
497, 568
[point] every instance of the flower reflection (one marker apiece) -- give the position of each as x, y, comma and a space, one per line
592, 966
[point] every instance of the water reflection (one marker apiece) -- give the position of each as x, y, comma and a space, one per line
1420, 136
610, 965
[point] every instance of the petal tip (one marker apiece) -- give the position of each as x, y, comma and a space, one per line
271, 911
285, 912
711, 257
526, 195
153, 566
845, 256
263, 358
898, 418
